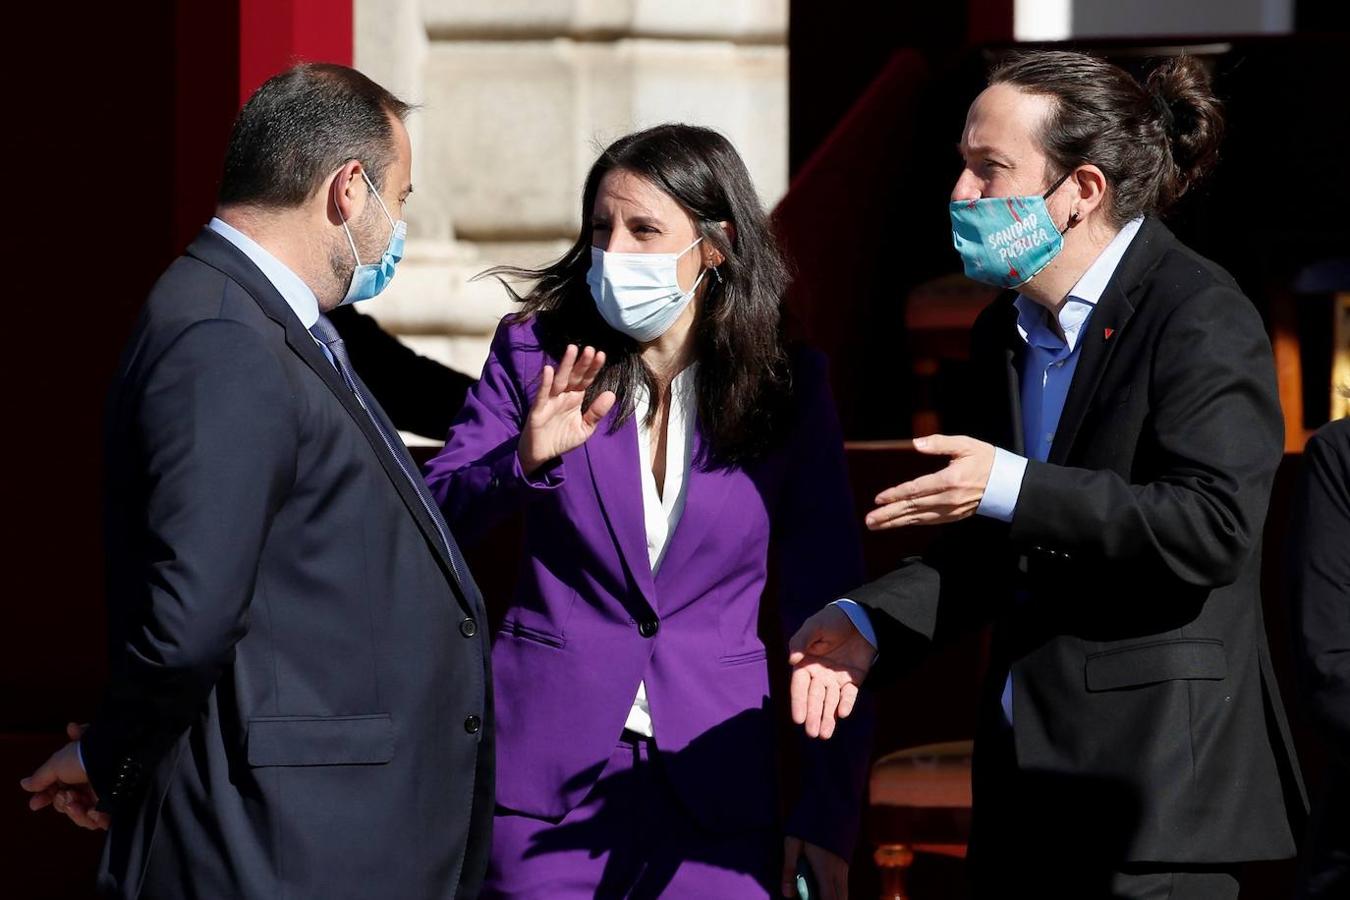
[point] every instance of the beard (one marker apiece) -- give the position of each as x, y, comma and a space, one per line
370, 243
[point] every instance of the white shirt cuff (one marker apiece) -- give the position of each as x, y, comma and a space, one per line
79, 754
861, 621
1005, 484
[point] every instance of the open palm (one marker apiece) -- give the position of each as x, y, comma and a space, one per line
557, 423
830, 660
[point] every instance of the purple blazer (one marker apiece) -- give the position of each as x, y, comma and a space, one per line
588, 620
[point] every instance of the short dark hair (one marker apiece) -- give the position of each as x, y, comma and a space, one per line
301, 125
1153, 141
744, 381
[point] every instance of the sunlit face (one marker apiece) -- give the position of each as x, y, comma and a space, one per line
372, 230
632, 215
1001, 154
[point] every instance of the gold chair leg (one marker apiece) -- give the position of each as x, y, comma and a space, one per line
893, 860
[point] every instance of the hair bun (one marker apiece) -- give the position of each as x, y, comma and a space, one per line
1192, 118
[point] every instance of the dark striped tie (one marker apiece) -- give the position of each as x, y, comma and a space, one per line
327, 334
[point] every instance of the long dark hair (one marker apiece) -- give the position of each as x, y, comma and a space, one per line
1153, 141
744, 382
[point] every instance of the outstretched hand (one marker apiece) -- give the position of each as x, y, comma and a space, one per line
829, 659
946, 496
557, 423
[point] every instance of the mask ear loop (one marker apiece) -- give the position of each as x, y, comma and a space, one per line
344, 225
1073, 216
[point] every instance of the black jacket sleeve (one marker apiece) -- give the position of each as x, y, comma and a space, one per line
215, 424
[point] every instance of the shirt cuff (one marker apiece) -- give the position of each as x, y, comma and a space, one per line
1005, 484
79, 754
861, 621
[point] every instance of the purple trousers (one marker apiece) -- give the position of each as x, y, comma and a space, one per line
631, 837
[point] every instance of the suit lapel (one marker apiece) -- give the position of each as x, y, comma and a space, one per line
705, 494
219, 253
1010, 355
1104, 331
613, 462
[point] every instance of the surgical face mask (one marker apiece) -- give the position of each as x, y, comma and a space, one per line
638, 293
371, 278
1006, 241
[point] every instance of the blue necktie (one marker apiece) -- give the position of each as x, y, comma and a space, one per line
327, 334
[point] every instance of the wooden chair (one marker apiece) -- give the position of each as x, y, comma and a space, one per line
919, 803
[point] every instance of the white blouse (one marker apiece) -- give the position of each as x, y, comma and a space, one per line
661, 509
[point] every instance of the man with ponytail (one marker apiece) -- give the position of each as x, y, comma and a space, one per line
1110, 502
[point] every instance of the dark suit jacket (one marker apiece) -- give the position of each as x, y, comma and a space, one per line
298, 703
419, 394
1147, 724
1319, 592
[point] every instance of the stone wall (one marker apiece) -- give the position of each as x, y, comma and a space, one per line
517, 96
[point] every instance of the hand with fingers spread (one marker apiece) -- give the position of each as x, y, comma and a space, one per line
829, 869
62, 784
557, 423
829, 659
946, 496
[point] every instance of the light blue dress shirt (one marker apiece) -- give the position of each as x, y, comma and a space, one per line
1047, 372
289, 285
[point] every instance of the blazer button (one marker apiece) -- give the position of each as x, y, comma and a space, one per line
649, 627
472, 724
468, 628
493, 483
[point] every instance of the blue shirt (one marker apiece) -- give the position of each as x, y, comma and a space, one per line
292, 288
1047, 371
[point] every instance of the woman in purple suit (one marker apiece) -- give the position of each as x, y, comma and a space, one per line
634, 739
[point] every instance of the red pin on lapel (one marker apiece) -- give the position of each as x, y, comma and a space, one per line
1108, 332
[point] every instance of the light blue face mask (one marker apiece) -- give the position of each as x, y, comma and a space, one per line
1006, 241
638, 294
369, 279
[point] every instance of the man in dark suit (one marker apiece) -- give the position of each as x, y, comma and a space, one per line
1319, 592
299, 703
1131, 739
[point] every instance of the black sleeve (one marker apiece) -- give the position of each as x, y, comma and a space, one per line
215, 425
1319, 581
419, 394
935, 599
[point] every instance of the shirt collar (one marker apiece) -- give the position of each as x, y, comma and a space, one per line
291, 286
1082, 298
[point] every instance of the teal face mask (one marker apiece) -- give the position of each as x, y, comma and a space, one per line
1005, 241
369, 279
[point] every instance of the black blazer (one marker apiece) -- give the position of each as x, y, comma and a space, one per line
1319, 593
299, 703
419, 394
1125, 592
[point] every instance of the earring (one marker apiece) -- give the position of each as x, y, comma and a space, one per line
717, 275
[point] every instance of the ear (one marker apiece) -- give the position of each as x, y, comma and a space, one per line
1089, 192
347, 193
712, 257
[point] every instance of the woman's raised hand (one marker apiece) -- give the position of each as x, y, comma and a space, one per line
557, 423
